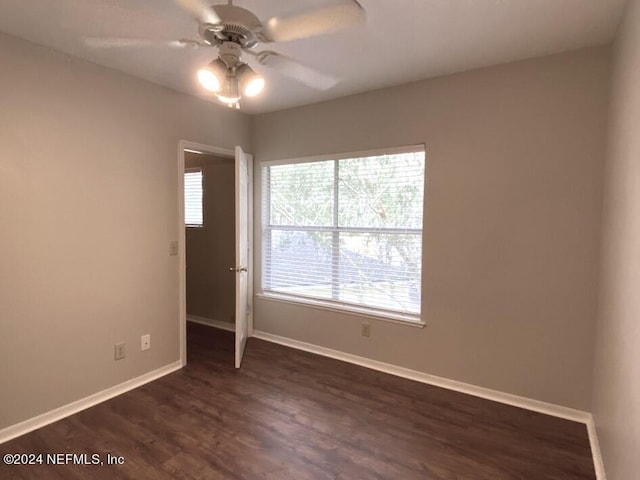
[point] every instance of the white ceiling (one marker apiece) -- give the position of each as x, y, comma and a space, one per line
402, 40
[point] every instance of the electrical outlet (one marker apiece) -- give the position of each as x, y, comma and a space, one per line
145, 342
366, 329
120, 350
173, 248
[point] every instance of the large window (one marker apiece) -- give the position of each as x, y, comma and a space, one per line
346, 231
193, 197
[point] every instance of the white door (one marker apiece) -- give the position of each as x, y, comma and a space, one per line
242, 252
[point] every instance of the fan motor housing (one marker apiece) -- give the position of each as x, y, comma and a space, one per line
229, 53
239, 26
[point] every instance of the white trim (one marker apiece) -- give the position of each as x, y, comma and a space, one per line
182, 255
482, 392
370, 313
598, 462
421, 147
206, 149
69, 409
250, 274
211, 323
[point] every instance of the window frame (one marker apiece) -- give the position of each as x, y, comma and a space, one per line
194, 170
408, 319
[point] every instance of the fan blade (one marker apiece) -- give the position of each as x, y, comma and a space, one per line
117, 42
291, 68
200, 9
325, 20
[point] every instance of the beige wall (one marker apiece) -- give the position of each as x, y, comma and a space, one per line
512, 226
616, 404
88, 207
211, 249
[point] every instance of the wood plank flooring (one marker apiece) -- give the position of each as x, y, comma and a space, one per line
292, 415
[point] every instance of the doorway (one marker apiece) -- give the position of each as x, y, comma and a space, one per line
215, 214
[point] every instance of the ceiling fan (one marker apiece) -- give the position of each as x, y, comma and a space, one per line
235, 30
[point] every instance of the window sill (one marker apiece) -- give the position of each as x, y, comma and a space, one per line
397, 318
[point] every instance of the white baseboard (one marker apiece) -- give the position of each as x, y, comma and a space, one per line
482, 392
211, 323
598, 462
59, 413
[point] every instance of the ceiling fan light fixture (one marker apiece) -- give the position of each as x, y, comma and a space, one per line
208, 80
254, 86
212, 76
228, 100
229, 93
251, 84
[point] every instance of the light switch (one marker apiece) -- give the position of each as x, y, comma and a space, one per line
173, 248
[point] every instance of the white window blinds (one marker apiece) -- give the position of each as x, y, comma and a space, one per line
193, 197
347, 231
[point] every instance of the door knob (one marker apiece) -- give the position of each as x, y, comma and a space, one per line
238, 270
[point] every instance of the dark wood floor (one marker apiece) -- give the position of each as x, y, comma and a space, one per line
293, 415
